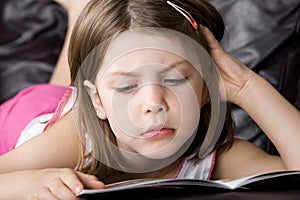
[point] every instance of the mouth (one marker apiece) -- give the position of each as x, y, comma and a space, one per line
158, 134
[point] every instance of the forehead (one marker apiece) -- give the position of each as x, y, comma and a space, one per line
143, 44
143, 57
153, 45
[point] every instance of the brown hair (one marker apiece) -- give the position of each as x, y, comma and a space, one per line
101, 21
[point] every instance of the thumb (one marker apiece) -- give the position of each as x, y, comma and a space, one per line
90, 181
77, 181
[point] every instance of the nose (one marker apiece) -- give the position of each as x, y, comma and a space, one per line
155, 109
154, 99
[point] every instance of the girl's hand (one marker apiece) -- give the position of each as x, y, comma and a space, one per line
235, 75
56, 184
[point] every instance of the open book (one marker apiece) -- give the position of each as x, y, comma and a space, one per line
271, 180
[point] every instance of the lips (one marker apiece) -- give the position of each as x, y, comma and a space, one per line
158, 134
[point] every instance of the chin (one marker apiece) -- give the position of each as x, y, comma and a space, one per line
162, 153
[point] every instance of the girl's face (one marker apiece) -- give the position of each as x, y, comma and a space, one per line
152, 100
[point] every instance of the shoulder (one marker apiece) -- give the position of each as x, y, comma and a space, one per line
243, 159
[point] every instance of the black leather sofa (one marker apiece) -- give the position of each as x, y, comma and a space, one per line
265, 35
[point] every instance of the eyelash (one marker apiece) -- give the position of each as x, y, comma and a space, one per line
176, 81
172, 82
126, 89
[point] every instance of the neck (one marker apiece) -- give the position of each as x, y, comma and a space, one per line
169, 171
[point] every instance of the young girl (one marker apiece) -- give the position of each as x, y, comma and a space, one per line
140, 69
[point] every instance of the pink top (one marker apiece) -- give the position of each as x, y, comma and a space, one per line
197, 169
16, 113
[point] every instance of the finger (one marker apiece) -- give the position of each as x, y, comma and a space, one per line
90, 181
70, 178
212, 43
45, 194
61, 190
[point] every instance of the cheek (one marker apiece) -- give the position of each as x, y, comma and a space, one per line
122, 115
134, 111
189, 99
120, 128
199, 90
189, 105
112, 106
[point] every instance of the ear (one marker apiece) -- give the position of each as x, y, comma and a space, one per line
94, 95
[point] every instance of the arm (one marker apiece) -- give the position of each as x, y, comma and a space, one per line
45, 184
277, 118
56, 147
275, 115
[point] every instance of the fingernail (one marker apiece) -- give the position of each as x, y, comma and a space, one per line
77, 190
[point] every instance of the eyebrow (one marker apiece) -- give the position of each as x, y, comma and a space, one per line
124, 73
175, 64
133, 74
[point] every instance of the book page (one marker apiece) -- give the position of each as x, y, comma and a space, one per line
171, 183
259, 181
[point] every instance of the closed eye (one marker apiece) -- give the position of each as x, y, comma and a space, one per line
175, 81
126, 89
